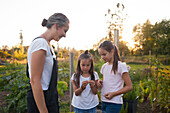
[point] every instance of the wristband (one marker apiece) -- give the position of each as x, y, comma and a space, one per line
83, 88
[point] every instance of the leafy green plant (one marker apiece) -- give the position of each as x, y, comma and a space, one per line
124, 108
160, 86
64, 107
97, 67
15, 82
63, 71
144, 90
61, 87
131, 95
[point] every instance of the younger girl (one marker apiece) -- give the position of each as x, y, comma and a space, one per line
84, 81
115, 73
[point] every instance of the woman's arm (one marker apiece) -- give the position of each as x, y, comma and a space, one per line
79, 90
37, 65
125, 89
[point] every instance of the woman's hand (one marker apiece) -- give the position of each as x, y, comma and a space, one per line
99, 83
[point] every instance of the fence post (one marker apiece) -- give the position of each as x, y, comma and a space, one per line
71, 72
150, 57
13, 54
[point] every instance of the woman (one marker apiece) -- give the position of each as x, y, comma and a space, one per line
42, 69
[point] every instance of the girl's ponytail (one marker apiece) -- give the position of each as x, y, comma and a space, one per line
116, 58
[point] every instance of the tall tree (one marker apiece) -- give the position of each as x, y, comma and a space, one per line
143, 36
123, 48
115, 18
153, 37
161, 37
114, 21
148, 42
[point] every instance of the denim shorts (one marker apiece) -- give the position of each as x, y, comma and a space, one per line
111, 107
92, 110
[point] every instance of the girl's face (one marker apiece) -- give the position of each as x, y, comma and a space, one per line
105, 55
61, 32
85, 65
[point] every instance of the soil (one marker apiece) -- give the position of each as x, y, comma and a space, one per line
145, 107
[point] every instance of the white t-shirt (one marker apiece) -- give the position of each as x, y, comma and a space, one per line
112, 82
41, 44
87, 99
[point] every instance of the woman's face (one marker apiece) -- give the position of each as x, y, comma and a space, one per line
61, 32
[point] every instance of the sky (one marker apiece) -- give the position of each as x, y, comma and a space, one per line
87, 19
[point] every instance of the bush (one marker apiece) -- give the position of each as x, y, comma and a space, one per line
131, 95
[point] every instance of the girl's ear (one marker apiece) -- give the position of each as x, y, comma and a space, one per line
112, 51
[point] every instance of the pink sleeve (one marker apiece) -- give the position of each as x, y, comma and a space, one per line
101, 71
124, 68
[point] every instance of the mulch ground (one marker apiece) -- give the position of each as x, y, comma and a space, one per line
145, 107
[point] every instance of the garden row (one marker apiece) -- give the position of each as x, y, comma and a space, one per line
150, 83
14, 82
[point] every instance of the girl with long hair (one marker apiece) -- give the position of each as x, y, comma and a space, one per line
85, 98
115, 74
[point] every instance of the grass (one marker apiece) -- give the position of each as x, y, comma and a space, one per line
138, 66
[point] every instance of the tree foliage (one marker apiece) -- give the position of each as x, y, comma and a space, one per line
123, 48
161, 37
152, 37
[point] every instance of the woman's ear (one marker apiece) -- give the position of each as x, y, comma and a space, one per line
56, 25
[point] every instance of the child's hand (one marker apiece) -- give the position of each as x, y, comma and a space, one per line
128, 67
109, 95
99, 83
84, 84
92, 83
